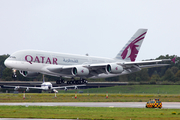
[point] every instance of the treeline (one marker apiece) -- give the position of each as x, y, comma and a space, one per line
158, 75
166, 74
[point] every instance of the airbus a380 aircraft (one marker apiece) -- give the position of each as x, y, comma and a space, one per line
32, 62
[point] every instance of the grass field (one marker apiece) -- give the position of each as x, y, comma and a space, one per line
133, 89
70, 97
58, 112
126, 93
128, 89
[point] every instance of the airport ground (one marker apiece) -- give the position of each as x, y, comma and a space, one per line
64, 112
125, 93
87, 106
84, 97
117, 94
103, 87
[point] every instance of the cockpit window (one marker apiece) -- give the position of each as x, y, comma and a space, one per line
12, 57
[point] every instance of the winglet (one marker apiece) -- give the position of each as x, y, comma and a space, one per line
174, 60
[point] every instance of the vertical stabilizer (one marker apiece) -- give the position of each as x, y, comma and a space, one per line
131, 49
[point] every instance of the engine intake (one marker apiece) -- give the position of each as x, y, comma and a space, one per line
114, 68
80, 71
29, 74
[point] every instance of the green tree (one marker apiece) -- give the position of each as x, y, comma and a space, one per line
123, 78
138, 79
2, 66
169, 76
155, 77
139, 76
7, 74
112, 78
174, 69
178, 75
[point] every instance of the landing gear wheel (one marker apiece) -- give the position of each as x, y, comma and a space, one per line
84, 81
67, 82
58, 82
14, 75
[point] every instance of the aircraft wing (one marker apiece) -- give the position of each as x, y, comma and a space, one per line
70, 86
40, 88
89, 70
140, 64
153, 65
17, 87
145, 64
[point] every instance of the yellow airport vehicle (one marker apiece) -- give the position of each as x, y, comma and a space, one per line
154, 103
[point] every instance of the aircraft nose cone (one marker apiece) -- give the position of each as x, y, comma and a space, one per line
7, 63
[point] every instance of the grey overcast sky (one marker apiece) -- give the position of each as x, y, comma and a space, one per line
97, 27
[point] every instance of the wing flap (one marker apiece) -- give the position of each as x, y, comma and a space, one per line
143, 62
153, 65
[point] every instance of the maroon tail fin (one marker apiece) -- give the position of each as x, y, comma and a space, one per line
131, 49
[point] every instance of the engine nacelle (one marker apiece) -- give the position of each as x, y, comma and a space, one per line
16, 88
114, 68
80, 71
65, 89
75, 87
55, 91
29, 73
27, 89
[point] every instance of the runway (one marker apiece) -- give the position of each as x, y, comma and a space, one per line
166, 105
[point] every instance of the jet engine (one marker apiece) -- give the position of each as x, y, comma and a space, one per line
27, 89
55, 91
80, 71
16, 88
114, 68
75, 87
29, 73
65, 89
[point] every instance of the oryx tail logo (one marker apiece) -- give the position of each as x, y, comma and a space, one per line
131, 50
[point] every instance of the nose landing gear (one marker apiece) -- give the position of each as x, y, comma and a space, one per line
14, 73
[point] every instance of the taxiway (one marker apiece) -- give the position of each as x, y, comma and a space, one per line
166, 105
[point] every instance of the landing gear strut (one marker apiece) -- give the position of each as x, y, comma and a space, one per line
14, 73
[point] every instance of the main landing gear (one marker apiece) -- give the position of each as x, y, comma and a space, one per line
60, 81
73, 81
81, 81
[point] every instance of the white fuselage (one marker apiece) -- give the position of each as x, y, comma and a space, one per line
38, 61
46, 86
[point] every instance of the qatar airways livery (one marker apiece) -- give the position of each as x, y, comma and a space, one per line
32, 62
